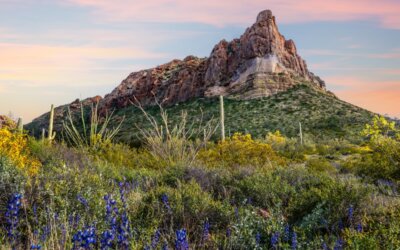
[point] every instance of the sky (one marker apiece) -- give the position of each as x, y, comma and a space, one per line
55, 51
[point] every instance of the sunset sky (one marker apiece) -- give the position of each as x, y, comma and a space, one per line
54, 51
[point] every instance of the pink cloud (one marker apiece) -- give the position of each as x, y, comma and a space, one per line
378, 96
386, 12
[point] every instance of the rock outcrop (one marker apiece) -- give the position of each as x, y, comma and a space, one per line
260, 63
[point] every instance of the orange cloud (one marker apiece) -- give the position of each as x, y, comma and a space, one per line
243, 11
378, 96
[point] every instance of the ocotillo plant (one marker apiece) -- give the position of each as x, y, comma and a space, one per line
20, 126
222, 121
51, 135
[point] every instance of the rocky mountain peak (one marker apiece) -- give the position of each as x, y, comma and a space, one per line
260, 63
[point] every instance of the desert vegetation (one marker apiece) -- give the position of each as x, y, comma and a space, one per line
183, 188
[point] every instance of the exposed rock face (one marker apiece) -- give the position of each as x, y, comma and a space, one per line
260, 63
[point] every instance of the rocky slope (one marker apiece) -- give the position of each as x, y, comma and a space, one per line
261, 63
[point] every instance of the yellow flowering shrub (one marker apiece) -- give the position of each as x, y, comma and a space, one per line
14, 147
275, 139
240, 150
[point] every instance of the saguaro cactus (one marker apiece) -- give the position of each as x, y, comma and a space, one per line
51, 135
301, 134
20, 126
222, 117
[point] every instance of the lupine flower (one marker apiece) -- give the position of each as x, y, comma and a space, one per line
294, 240
45, 233
89, 237
340, 225
206, 231
77, 240
350, 213
275, 240
286, 233
181, 242
155, 239
164, 199
107, 238
324, 246
258, 239
82, 200
359, 228
165, 246
36, 246
12, 216
339, 244
85, 238
124, 230
228, 232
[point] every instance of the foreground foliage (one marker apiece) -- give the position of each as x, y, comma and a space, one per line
241, 193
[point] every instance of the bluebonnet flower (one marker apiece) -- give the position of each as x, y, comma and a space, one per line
237, 213
286, 233
164, 199
258, 239
45, 233
228, 232
155, 239
89, 237
12, 216
206, 231
294, 240
84, 239
82, 200
165, 246
124, 229
350, 213
107, 238
36, 246
324, 246
181, 242
339, 244
275, 240
77, 240
340, 225
359, 228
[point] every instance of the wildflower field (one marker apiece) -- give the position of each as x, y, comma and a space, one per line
181, 190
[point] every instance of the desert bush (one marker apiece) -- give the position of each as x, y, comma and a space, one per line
320, 165
240, 150
186, 206
382, 160
14, 147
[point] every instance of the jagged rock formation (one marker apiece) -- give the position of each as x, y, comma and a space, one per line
260, 63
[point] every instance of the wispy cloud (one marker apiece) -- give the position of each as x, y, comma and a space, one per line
386, 12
